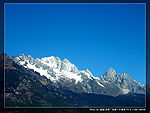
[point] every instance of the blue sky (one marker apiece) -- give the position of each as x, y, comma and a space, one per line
91, 36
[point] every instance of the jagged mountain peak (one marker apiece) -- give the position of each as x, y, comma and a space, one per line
55, 59
37, 59
51, 58
112, 75
20, 57
109, 75
22, 54
124, 75
66, 60
111, 71
88, 71
29, 56
88, 74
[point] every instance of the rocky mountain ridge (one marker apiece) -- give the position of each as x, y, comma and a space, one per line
64, 73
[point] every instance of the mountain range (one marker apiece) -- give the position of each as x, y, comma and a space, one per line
52, 82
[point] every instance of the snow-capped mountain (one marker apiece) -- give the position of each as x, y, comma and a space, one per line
66, 75
26, 87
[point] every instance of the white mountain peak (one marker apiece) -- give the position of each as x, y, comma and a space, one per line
66, 61
49, 58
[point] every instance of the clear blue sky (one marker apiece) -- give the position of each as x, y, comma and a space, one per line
91, 36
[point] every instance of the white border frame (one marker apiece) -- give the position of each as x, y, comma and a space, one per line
77, 107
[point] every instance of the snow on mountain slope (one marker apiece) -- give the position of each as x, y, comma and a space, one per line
100, 84
53, 68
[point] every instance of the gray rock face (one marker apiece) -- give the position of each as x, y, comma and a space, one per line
65, 74
123, 81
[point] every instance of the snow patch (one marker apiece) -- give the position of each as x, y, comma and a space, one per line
22, 62
39, 70
100, 84
72, 76
125, 91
